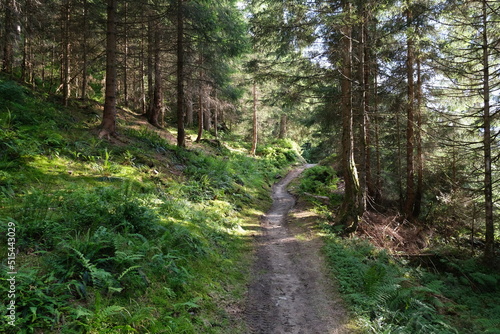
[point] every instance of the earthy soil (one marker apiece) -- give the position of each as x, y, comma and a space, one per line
291, 291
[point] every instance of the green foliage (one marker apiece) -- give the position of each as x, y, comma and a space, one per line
318, 180
390, 296
383, 295
41, 299
280, 152
109, 234
11, 92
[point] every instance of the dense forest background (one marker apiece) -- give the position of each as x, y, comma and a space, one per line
399, 98
404, 93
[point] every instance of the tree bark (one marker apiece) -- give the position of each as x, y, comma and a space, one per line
254, 123
216, 116
201, 110
370, 188
410, 135
419, 161
181, 135
108, 125
66, 50
364, 163
125, 57
489, 249
150, 65
8, 36
85, 51
283, 126
157, 103
351, 209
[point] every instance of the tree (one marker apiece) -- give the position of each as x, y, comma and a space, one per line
471, 64
181, 135
352, 206
410, 119
108, 125
9, 34
254, 117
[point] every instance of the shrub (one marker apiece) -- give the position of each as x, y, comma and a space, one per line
280, 153
382, 294
319, 180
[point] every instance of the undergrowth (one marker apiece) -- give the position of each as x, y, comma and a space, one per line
141, 237
436, 293
388, 295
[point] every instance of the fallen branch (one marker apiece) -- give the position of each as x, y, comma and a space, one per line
323, 199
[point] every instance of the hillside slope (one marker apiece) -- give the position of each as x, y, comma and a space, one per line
129, 236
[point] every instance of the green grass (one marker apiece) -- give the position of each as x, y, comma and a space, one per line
140, 237
389, 295
453, 293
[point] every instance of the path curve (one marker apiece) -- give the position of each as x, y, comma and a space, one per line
290, 292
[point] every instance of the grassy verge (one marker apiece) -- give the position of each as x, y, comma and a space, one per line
135, 236
441, 292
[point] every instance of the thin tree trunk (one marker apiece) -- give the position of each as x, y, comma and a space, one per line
410, 135
8, 36
108, 125
84, 50
363, 106
66, 49
181, 135
489, 249
419, 161
255, 130
351, 209
216, 116
150, 66
142, 73
125, 57
201, 110
157, 103
283, 126
189, 112
378, 178
366, 107
400, 157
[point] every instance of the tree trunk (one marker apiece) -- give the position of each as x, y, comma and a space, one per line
283, 126
254, 129
189, 112
66, 50
400, 154
157, 103
108, 125
489, 249
142, 72
201, 110
363, 117
207, 122
419, 161
370, 188
125, 57
8, 36
351, 209
378, 177
150, 66
410, 136
181, 135
216, 116
84, 50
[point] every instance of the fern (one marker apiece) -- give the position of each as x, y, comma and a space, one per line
126, 271
100, 277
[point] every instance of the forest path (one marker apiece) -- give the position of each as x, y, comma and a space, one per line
290, 291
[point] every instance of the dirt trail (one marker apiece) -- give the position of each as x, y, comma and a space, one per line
290, 292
